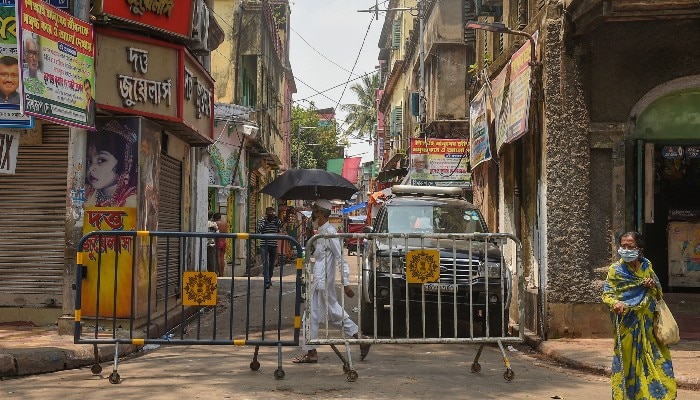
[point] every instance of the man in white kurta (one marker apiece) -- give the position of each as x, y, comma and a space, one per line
328, 254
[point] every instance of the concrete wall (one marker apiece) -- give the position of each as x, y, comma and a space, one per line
571, 277
620, 68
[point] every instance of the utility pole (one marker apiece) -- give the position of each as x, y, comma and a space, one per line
420, 9
77, 142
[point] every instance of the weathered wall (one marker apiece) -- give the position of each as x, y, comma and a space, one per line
621, 67
567, 164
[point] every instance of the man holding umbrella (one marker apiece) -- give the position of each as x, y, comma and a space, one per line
328, 254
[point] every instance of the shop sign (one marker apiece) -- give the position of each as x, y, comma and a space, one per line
58, 82
155, 79
198, 96
170, 16
479, 136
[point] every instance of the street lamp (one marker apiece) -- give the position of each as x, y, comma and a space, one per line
500, 27
299, 141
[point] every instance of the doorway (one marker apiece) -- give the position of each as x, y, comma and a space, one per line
672, 220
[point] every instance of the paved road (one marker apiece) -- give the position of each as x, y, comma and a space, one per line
390, 371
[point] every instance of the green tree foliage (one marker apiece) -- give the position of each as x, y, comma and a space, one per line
313, 144
362, 117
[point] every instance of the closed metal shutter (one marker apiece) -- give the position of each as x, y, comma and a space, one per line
33, 223
169, 220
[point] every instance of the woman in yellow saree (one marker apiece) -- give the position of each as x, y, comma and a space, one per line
641, 367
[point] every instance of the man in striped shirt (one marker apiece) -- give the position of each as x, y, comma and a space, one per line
269, 224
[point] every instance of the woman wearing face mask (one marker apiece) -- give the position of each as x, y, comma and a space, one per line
641, 367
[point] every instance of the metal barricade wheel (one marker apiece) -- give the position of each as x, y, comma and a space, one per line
114, 378
509, 375
254, 365
96, 369
279, 374
352, 375
476, 367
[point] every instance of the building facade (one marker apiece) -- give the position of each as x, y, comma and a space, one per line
252, 71
610, 148
160, 113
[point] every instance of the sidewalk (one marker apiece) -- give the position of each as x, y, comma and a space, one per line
28, 350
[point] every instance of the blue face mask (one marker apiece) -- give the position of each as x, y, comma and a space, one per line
628, 255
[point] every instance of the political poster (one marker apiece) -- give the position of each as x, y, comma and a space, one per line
440, 162
58, 77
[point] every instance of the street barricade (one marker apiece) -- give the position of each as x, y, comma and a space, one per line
417, 288
162, 288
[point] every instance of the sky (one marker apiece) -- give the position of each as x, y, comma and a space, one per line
325, 40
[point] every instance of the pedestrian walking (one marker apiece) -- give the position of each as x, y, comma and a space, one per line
642, 367
328, 255
212, 259
269, 224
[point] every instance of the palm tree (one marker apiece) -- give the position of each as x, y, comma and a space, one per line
361, 117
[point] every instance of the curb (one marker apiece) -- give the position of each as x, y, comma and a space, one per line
32, 361
542, 347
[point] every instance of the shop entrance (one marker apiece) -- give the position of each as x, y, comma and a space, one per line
672, 213
667, 134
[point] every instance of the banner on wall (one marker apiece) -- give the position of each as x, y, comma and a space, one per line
511, 96
479, 144
11, 115
58, 78
440, 162
110, 252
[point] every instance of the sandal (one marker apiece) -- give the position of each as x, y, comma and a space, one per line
305, 359
364, 350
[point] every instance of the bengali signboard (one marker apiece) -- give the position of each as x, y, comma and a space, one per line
511, 96
11, 88
58, 79
170, 16
479, 143
198, 96
519, 92
102, 255
158, 80
440, 162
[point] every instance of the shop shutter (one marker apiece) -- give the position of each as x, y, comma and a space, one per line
32, 226
169, 220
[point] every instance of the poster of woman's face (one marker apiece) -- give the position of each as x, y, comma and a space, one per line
111, 162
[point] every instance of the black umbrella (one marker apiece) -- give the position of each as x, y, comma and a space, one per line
310, 184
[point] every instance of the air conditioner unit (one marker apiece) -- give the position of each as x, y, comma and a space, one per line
251, 131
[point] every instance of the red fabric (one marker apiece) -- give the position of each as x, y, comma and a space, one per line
350, 167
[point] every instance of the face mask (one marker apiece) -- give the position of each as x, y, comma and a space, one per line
628, 255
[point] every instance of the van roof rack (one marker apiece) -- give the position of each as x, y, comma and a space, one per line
426, 190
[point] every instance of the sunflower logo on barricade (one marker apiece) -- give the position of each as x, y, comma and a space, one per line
422, 266
199, 288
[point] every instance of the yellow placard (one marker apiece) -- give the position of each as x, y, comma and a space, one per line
199, 288
101, 255
422, 266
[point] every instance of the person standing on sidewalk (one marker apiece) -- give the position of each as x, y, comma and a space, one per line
269, 224
642, 367
221, 242
328, 255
